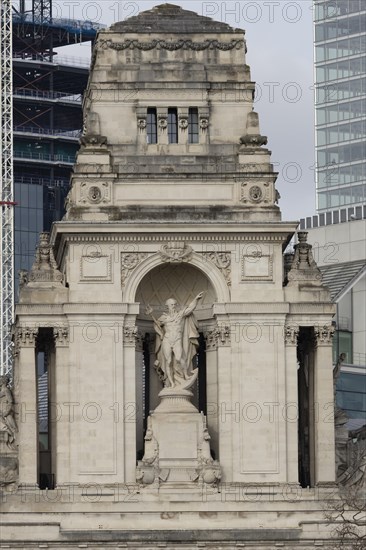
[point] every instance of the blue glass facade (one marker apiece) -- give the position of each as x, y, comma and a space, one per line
340, 67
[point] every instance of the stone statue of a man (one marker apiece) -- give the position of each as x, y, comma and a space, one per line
7, 421
177, 342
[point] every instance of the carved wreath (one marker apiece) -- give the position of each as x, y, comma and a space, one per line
163, 123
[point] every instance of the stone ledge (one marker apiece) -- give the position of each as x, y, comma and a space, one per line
229, 535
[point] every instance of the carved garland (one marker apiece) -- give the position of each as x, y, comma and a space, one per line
172, 46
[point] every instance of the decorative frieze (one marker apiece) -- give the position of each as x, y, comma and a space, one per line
129, 261
222, 260
171, 45
324, 335
291, 335
176, 252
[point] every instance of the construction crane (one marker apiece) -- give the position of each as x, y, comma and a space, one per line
7, 188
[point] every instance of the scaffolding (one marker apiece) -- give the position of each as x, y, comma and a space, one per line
39, 134
7, 188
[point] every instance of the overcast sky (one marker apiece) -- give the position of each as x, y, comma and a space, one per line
279, 37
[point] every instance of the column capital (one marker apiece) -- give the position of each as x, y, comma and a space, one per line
61, 336
291, 334
324, 335
219, 336
25, 337
132, 337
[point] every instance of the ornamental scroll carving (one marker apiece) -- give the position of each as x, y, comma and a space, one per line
324, 335
222, 261
176, 252
291, 335
172, 46
129, 261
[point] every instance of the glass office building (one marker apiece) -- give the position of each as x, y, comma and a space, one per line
340, 76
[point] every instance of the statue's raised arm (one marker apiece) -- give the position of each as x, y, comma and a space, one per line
192, 306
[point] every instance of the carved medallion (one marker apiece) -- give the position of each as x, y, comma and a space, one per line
259, 193
255, 193
94, 194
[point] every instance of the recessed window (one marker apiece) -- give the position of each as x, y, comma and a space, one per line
151, 126
172, 125
193, 127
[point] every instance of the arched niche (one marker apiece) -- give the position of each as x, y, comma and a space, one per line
208, 269
181, 281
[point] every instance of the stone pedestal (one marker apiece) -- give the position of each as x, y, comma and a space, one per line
177, 445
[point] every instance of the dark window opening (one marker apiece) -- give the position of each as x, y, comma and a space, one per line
193, 127
151, 126
172, 125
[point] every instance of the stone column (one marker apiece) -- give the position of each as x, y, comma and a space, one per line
226, 407
61, 444
27, 404
130, 334
212, 390
291, 405
324, 445
156, 385
140, 381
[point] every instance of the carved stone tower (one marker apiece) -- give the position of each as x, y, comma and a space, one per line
187, 420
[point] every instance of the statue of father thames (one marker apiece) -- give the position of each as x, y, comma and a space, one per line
176, 343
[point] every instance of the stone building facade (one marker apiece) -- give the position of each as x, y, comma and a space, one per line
173, 200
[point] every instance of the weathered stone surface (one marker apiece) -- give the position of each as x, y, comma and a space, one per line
147, 222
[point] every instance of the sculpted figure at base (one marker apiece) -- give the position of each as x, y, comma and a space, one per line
8, 425
176, 343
